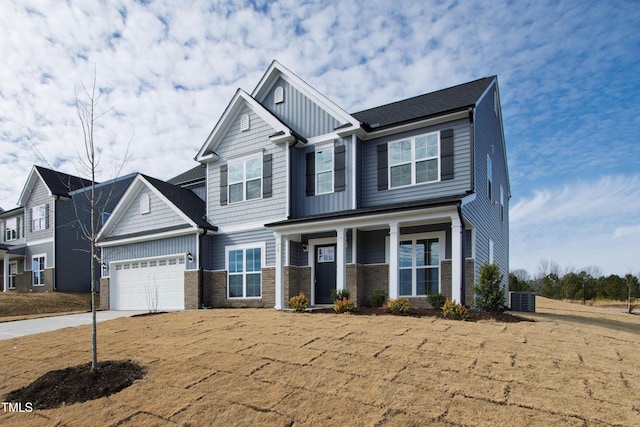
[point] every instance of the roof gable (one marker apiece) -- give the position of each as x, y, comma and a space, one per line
58, 183
239, 101
432, 104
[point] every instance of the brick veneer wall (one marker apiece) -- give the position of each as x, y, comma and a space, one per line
215, 290
191, 290
373, 277
445, 279
104, 293
24, 280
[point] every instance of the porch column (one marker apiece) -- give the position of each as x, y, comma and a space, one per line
354, 245
5, 278
457, 284
393, 259
340, 259
279, 271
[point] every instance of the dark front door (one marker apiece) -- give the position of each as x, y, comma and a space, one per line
325, 273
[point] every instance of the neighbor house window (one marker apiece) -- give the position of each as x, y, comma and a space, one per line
245, 180
13, 271
419, 266
489, 178
39, 217
37, 267
244, 267
414, 160
11, 229
501, 203
324, 171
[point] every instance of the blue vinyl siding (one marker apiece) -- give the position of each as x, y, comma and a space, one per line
216, 259
460, 184
299, 112
482, 213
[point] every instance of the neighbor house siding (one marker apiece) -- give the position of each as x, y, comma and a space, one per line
160, 215
39, 196
237, 144
483, 213
460, 183
299, 112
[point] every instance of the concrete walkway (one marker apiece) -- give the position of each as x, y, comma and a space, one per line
20, 328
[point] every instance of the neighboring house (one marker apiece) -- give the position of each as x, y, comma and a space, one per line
43, 246
297, 195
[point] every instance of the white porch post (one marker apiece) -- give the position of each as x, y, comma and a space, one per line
341, 260
279, 272
393, 259
5, 280
456, 259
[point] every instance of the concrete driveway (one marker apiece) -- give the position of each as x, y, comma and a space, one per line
20, 328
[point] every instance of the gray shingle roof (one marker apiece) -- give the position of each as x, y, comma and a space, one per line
443, 101
60, 183
195, 174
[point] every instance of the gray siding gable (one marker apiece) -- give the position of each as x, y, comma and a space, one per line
39, 196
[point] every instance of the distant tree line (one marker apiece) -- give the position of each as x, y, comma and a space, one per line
575, 284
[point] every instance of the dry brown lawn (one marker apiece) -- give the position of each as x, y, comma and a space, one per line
22, 305
574, 366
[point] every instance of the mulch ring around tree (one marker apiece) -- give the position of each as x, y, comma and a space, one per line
474, 316
77, 384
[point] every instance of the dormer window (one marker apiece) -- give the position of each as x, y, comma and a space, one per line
145, 204
278, 95
244, 123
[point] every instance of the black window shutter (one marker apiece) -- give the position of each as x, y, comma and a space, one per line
18, 227
311, 173
223, 185
30, 219
383, 173
46, 216
266, 175
339, 168
446, 154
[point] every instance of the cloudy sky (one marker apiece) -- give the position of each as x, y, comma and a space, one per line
569, 75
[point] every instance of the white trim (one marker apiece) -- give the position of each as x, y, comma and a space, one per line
244, 156
415, 125
40, 241
44, 267
248, 226
414, 161
354, 153
321, 149
491, 251
311, 261
244, 160
326, 138
148, 237
441, 237
244, 247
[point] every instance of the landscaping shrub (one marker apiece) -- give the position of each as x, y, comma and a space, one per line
436, 300
339, 295
343, 305
489, 293
397, 306
378, 298
453, 310
299, 303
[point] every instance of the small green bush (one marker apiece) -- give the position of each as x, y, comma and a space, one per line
299, 303
378, 298
489, 292
437, 300
343, 305
453, 310
339, 295
397, 306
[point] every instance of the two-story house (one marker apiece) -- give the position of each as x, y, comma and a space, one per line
43, 246
297, 195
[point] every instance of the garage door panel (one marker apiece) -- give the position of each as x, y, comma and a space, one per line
148, 285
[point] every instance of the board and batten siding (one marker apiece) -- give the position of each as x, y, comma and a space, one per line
460, 183
483, 213
221, 240
180, 245
39, 196
304, 205
160, 215
299, 112
237, 144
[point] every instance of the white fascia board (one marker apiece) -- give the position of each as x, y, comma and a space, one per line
276, 70
28, 186
364, 221
148, 237
240, 99
416, 125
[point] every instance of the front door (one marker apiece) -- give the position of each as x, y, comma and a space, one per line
325, 280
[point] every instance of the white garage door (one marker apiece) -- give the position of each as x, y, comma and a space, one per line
156, 284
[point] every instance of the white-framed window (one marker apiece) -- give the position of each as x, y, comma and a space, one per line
145, 204
244, 270
38, 263
13, 271
324, 171
419, 264
245, 180
489, 177
414, 160
38, 218
501, 203
11, 229
490, 251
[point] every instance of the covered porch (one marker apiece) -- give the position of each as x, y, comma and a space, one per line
12, 268
410, 252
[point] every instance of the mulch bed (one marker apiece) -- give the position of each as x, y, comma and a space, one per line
474, 316
77, 384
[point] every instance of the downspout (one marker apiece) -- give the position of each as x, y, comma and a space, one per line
200, 271
464, 261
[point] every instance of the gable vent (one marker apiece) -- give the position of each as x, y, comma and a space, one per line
244, 123
278, 96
